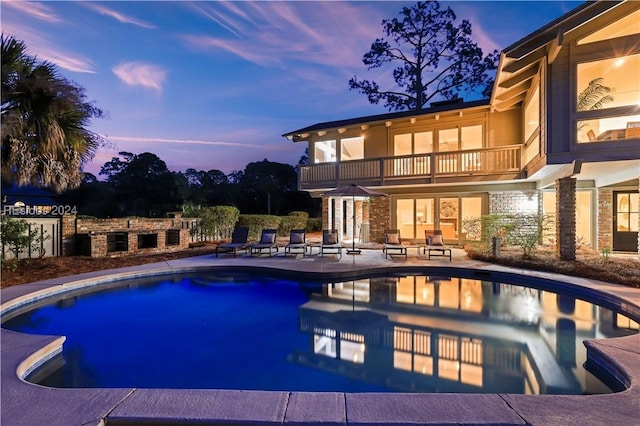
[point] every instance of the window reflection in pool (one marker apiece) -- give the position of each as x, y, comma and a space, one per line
412, 333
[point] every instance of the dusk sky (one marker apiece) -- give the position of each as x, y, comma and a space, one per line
214, 85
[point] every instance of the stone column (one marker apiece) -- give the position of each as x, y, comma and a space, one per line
566, 218
68, 233
379, 217
325, 213
605, 219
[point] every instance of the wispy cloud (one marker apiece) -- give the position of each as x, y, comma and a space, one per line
278, 34
103, 10
132, 139
141, 74
484, 38
45, 50
34, 9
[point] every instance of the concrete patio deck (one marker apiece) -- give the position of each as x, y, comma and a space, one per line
27, 404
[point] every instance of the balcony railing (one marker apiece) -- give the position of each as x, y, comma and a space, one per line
409, 169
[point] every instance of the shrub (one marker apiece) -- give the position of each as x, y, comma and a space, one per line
287, 223
526, 231
495, 225
299, 214
258, 222
521, 230
17, 236
216, 222
473, 228
314, 225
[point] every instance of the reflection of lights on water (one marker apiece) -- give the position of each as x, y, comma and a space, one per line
531, 309
468, 298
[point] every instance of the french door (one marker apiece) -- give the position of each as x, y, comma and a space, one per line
625, 220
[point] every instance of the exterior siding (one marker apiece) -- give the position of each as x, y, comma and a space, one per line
537, 60
505, 128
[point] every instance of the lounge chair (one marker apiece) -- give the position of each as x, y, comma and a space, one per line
297, 242
330, 243
393, 244
435, 245
267, 242
238, 241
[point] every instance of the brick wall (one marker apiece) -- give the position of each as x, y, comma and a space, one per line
97, 232
514, 202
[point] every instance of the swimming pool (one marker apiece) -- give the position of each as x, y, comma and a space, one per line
384, 333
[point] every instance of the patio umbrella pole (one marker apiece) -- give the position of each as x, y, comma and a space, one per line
353, 237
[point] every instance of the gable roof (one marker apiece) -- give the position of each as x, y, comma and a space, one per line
567, 22
520, 62
380, 118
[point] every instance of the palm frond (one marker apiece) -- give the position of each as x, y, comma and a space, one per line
594, 96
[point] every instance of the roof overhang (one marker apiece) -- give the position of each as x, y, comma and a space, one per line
390, 119
520, 63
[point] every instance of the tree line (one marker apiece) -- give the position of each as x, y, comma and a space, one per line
142, 185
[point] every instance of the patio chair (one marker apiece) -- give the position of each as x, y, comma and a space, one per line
330, 244
238, 241
267, 242
297, 242
393, 244
435, 245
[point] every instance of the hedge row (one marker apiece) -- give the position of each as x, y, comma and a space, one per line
284, 224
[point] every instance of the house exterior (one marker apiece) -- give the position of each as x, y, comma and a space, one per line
538, 145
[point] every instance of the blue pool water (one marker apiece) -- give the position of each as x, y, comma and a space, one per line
409, 333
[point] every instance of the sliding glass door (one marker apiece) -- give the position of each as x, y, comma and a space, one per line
414, 216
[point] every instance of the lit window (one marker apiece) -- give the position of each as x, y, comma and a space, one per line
352, 149
325, 151
603, 86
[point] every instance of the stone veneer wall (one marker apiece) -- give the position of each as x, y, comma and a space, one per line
566, 218
325, 213
605, 218
379, 217
97, 230
68, 230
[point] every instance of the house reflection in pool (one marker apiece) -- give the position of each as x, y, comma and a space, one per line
444, 334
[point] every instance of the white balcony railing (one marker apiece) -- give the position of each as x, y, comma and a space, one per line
409, 168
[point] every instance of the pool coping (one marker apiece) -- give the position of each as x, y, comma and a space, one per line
24, 403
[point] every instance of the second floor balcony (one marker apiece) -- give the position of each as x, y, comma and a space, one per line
486, 164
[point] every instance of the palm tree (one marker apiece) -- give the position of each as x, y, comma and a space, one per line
44, 117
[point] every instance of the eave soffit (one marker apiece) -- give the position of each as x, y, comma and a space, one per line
407, 119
